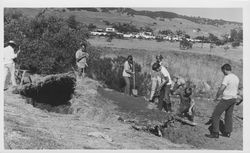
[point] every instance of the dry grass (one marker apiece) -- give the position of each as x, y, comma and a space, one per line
198, 68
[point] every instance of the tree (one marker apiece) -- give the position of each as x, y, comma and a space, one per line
212, 38
166, 32
48, 44
91, 27
185, 44
72, 23
233, 35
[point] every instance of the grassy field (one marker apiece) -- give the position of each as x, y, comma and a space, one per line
235, 54
200, 66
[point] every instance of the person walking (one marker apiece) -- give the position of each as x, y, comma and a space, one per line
81, 60
164, 87
227, 95
9, 65
127, 74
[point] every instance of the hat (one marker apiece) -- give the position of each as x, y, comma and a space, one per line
12, 42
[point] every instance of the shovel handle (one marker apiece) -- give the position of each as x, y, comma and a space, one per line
134, 74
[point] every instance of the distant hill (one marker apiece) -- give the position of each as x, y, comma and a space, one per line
161, 14
158, 20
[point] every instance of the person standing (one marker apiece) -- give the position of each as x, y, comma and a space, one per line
9, 64
81, 60
155, 79
127, 74
227, 95
164, 87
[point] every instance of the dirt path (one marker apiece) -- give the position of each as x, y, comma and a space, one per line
136, 109
93, 124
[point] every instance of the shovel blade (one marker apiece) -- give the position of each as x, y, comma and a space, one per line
135, 92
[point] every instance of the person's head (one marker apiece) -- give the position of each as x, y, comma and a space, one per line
156, 67
12, 43
188, 92
83, 46
159, 58
130, 58
226, 69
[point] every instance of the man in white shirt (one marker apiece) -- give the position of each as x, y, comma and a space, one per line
155, 79
9, 64
164, 87
81, 60
227, 95
127, 73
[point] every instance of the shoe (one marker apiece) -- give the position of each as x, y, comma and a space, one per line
212, 135
226, 134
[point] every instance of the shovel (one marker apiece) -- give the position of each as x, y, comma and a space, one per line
134, 91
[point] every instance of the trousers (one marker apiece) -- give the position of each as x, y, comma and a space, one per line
9, 68
227, 106
127, 86
164, 99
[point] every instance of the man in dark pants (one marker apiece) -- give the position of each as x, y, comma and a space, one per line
227, 95
164, 87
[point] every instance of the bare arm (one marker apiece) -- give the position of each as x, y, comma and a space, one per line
191, 106
220, 91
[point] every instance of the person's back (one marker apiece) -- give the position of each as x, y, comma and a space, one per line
231, 81
9, 55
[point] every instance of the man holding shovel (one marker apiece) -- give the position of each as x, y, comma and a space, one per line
164, 87
227, 97
128, 73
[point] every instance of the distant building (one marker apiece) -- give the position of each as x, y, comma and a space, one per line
110, 29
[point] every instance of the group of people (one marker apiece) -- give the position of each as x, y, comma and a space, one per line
10, 54
163, 86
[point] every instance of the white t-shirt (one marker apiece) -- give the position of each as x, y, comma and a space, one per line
127, 67
83, 61
165, 73
8, 55
231, 81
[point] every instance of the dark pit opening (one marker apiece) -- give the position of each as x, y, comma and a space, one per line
53, 93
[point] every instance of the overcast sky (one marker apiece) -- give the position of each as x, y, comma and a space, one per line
229, 14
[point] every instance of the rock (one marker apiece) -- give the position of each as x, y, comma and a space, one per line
100, 135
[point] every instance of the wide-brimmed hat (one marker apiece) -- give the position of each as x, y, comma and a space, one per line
12, 42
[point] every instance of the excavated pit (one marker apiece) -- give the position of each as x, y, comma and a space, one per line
52, 93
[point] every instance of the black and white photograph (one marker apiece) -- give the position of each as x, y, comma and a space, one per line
123, 76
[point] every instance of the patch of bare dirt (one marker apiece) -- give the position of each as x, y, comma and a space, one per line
136, 111
91, 124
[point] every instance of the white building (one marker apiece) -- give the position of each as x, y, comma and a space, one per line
110, 29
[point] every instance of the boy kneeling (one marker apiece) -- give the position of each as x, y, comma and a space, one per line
186, 107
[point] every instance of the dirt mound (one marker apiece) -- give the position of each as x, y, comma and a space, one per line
93, 124
135, 111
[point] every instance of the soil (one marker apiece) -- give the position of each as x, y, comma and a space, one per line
100, 118
138, 110
90, 123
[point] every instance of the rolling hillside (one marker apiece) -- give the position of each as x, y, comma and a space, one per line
155, 20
